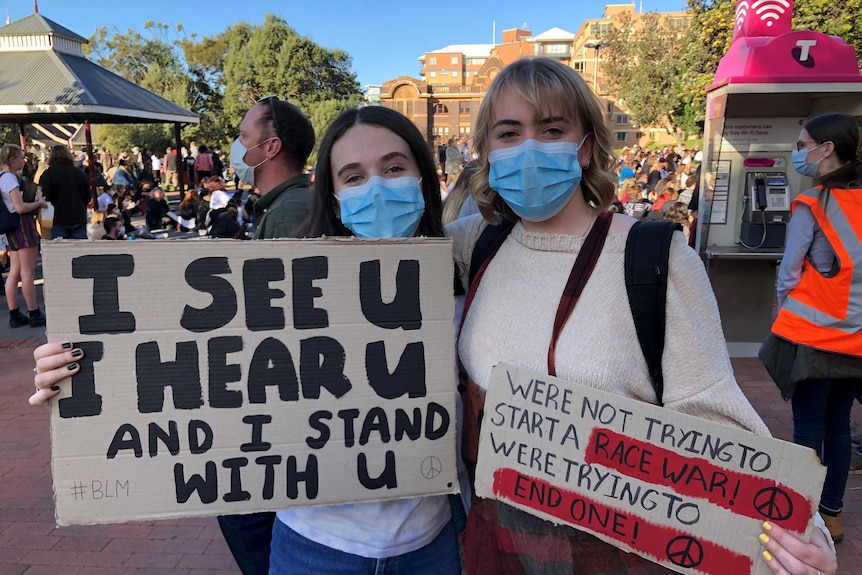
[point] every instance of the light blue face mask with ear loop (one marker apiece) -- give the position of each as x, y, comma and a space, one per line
383, 207
536, 179
799, 159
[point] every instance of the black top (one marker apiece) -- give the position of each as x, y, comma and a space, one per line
68, 189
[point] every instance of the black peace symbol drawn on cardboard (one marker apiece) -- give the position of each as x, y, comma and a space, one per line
773, 503
431, 467
685, 551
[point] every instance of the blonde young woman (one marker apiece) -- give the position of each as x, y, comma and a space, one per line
23, 242
548, 165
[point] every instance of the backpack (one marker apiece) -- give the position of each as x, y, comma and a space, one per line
9, 221
646, 283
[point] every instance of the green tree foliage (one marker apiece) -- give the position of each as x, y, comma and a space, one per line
150, 62
643, 67
711, 34
274, 59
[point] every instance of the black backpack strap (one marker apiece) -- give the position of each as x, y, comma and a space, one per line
646, 271
491, 238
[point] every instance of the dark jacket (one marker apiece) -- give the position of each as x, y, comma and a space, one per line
280, 212
68, 190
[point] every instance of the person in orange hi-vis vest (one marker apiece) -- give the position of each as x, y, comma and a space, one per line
814, 352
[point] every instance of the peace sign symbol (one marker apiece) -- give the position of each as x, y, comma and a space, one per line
685, 551
431, 467
773, 503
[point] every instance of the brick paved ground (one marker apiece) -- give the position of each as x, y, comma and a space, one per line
31, 544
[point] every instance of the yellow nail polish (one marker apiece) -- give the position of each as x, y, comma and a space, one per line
767, 526
767, 555
764, 538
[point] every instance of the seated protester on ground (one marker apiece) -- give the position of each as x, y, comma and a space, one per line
249, 206
128, 207
114, 229
637, 207
188, 211
203, 208
655, 176
96, 229
678, 213
104, 199
123, 177
626, 172
157, 211
625, 187
219, 198
226, 224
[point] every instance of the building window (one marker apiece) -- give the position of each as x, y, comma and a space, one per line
454, 73
399, 106
446, 131
440, 108
464, 108
621, 136
432, 74
454, 59
578, 66
410, 108
557, 48
622, 119
598, 29
432, 60
639, 135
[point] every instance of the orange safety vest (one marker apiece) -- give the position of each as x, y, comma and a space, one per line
826, 312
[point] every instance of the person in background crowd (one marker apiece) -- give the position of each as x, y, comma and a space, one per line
113, 229
814, 352
539, 115
169, 165
453, 160
68, 189
203, 163
157, 211
188, 211
23, 242
459, 203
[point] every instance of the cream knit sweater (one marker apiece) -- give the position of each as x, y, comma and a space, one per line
512, 315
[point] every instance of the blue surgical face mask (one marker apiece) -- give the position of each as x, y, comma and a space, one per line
383, 207
799, 159
237, 160
536, 179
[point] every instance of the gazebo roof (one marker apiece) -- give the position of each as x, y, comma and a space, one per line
45, 78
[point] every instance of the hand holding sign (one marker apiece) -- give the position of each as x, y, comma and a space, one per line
681, 491
787, 554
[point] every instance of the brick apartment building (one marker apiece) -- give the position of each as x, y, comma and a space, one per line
444, 100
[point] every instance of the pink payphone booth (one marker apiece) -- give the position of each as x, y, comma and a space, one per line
770, 81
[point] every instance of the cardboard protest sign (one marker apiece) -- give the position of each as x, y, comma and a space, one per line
227, 377
681, 491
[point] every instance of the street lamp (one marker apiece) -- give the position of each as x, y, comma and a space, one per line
597, 45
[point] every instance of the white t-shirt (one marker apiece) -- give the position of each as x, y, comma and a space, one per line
156, 163
219, 199
375, 530
8, 182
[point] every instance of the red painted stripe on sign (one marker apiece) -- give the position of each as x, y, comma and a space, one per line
657, 542
741, 493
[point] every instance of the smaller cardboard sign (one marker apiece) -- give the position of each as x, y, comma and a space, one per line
224, 377
683, 492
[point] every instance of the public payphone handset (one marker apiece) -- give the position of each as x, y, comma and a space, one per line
766, 209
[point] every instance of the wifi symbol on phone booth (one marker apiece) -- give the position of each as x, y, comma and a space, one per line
770, 10
741, 11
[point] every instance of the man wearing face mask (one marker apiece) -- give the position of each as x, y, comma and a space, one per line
275, 140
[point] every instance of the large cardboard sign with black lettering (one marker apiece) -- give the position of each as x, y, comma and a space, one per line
227, 377
681, 491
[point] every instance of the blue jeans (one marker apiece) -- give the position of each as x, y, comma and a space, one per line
293, 554
248, 537
821, 421
71, 233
